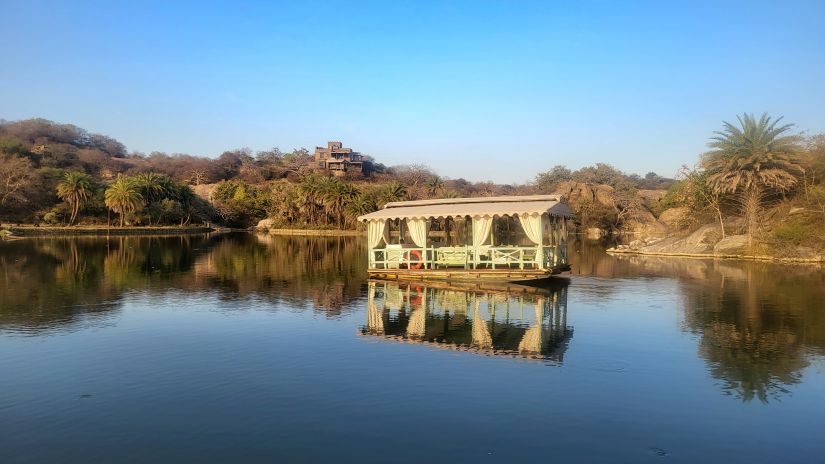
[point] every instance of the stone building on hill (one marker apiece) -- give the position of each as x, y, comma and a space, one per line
341, 160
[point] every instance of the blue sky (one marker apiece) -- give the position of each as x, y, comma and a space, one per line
481, 90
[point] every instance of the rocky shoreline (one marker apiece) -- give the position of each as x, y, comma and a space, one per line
707, 242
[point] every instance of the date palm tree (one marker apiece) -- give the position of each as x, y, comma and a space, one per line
393, 191
336, 195
310, 190
123, 197
752, 159
434, 185
360, 205
75, 189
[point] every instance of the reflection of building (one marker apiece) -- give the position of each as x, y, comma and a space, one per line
340, 160
529, 325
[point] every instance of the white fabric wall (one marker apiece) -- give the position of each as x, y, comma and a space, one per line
375, 232
532, 227
482, 226
418, 231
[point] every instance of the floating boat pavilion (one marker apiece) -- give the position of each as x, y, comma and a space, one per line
500, 238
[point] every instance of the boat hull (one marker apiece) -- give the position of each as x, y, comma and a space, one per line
493, 275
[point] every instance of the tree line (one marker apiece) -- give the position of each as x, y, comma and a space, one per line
61, 174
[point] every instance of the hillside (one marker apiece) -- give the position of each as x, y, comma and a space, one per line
239, 187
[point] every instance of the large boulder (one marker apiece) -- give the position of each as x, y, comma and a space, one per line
266, 224
731, 245
699, 242
604, 195
577, 192
709, 234
652, 195
675, 217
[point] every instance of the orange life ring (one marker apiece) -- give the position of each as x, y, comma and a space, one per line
419, 262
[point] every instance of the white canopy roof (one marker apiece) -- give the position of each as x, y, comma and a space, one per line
473, 207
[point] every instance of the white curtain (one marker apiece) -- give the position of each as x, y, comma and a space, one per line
418, 231
532, 227
375, 232
482, 226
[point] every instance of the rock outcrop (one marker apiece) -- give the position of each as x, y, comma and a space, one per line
265, 224
731, 245
675, 217
642, 223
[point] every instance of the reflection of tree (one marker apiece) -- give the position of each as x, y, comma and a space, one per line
58, 282
326, 271
756, 324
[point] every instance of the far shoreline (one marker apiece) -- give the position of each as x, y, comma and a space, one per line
763, 258
30, 230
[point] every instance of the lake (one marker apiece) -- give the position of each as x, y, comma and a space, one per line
245, 348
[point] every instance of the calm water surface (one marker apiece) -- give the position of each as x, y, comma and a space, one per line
239, 348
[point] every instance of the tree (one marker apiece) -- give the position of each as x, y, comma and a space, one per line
16, 178
434, 185
198, 176
310, 190
76, 188
756, 158
815, 160
335, 195
694, 191
548, 181
123, 197
239, 203
359, 206
394, 191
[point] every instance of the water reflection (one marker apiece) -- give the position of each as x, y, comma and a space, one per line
531, 324
57, 283
758, 324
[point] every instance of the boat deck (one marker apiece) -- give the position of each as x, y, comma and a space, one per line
506, 275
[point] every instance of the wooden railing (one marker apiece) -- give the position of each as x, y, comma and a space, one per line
467, 257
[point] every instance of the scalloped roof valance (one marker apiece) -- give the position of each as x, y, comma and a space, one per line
473, 207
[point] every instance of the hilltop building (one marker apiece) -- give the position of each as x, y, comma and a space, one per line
341, 160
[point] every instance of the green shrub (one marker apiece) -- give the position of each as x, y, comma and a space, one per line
794, 233
51, 218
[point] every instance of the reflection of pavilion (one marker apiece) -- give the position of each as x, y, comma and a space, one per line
531, 324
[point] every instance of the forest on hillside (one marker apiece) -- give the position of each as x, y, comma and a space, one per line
759, 178
61, 174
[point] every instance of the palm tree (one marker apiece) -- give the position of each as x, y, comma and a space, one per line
360, 205
394, 191
434, 185
123, 197
336, 195
154, 188
75, 189
753, 159
310, 189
